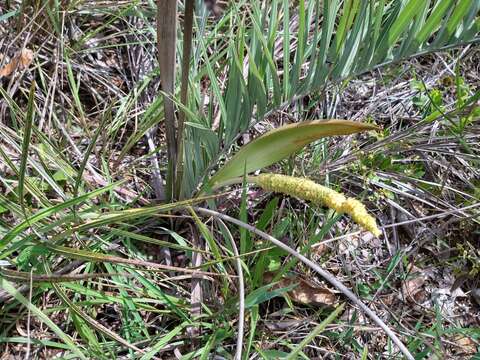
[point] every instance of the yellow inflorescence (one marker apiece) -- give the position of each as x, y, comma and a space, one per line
318, 194
359, 214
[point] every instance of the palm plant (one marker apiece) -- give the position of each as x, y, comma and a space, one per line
277, 55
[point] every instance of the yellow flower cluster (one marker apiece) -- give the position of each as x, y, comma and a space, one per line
359, 214
308, 190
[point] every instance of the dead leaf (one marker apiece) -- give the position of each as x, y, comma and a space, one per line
413, 286
460, 281
305, 292
212, 6
319, 249
282, 325
20, 61
467, 345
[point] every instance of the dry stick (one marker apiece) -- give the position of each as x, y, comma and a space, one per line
324, 273
5, 296
166, 43
241, 292
187, 50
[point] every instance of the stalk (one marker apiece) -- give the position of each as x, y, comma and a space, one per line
187, 50
166, 44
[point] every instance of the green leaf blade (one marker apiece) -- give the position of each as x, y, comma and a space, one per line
280, 143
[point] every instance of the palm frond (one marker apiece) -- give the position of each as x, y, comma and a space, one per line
280, 54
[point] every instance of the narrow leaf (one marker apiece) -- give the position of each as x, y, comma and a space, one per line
316, 332
50, 211
25, 145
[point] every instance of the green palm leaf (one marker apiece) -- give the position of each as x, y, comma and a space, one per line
308, 47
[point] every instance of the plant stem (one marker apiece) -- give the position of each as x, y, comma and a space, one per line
187, 50
166, 44
241, 291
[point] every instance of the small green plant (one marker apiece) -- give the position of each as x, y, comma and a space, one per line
471, 257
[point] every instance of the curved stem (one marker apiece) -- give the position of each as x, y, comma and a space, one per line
241, 292
233, 181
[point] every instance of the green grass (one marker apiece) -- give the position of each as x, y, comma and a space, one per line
80, 127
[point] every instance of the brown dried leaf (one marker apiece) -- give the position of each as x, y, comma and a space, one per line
213, 7
20, 61
466, 345
305, 292
460, 281
282, 325
413, 286
320, 249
